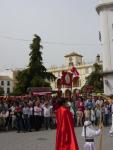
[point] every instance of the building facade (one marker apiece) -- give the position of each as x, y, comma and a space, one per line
6, 83
8, 80
84, 69
105, 11
8, 76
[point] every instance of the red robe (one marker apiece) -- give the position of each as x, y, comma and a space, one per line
65, 135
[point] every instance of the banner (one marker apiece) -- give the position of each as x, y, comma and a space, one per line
66, 78
75, 72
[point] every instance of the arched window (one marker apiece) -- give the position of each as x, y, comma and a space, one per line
59, 84
75, 82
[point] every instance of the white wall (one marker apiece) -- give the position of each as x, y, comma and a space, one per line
5, 86
106, 28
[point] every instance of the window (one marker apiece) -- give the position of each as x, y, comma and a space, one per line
70, 61
79, 82
2, 82
8, 82
8, 90
71, 64
100, 36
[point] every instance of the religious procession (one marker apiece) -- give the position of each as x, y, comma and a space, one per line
45, 106
40, 113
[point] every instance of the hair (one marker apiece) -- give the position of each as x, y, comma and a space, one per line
61, 101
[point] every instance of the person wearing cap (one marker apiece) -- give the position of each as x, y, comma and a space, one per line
89, 132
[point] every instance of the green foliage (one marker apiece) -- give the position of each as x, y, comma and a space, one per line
1, 91
95, 79
36, 74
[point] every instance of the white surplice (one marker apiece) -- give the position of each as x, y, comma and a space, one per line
91, 132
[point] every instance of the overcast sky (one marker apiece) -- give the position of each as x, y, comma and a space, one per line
63, 25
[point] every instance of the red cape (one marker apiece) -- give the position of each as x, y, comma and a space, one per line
65, 135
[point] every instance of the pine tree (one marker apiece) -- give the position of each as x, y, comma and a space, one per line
36, 74
36, 65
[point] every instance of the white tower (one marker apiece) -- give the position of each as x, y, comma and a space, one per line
105, 11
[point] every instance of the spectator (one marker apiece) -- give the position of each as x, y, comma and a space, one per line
87, 114
93, 118
26, 113
98, 113
37, 115
79, 117
19, 121
47, 114
31, 116
13, 117
106, 115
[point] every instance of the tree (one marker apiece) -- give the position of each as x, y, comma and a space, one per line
94, 80
23, 81
36, 74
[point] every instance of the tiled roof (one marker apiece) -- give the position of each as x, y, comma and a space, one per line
73, 54
5, 78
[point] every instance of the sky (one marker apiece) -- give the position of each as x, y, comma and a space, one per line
63, 25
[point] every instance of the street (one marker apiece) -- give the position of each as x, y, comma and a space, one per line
45, 140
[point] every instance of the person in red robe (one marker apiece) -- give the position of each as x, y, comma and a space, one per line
65, 135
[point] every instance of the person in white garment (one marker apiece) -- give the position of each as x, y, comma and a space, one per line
47, 114
111, 129
89, 132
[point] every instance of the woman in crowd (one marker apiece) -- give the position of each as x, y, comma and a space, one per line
37, 115
31, 116
19, 119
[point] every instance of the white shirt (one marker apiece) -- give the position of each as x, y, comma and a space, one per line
4, 115
47, 111
12, 110
106, 110
37, 111
26, 110
30, 111
90, 132
99, 102
112, 108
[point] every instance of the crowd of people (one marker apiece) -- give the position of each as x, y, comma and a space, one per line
93, 109
39, 112
26, 115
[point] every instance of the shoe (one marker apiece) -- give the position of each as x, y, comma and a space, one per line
30, 131
111, 135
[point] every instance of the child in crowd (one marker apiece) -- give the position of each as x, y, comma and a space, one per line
93, 116
87, 114
79, 117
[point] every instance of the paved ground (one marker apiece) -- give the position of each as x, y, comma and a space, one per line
44, 140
